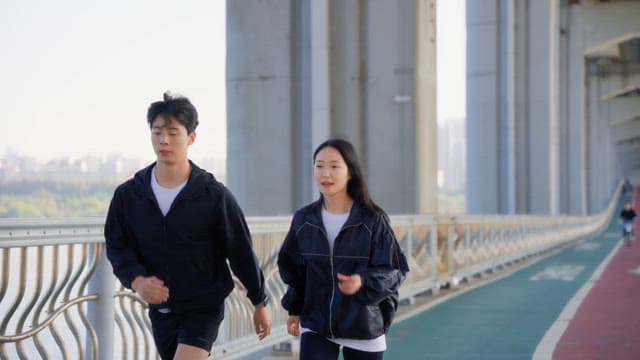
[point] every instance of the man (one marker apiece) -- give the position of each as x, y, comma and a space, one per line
169, 233
627, 216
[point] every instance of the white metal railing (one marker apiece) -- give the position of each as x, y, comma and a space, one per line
59, 299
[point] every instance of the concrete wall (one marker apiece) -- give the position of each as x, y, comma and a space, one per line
541, 169
595, 167
510, 152
483, 153
261, 104
299, 71
389, 121
539, 138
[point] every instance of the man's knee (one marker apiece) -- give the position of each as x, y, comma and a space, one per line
190, 352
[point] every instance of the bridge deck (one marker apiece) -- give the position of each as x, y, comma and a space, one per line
509, 318
607, 324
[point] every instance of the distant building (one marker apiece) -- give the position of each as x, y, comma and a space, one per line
452, 155
116, 168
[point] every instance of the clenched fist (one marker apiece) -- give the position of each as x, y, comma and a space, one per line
349, 284
293, 325
151, 289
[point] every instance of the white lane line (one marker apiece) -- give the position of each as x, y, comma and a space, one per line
590, 246
547, 345
558, 272
438, 299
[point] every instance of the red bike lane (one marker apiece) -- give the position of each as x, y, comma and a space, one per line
607, 323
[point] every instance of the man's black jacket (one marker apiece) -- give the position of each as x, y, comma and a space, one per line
627, 215
189, 247
366, 245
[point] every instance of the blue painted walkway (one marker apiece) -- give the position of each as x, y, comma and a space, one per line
507, 318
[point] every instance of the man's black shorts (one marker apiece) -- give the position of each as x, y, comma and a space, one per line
197, 328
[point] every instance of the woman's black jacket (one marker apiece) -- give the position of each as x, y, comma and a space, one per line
189, 247
366, 245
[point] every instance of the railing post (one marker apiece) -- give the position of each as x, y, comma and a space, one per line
101, 313
223, 330
408, 252
451, 243
433, 251
467, 239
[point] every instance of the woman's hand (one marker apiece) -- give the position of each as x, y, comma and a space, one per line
349, 284
293, 325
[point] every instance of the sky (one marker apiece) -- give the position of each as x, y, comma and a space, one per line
451, 60
76, 77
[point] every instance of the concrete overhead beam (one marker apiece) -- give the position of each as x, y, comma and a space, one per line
622, 110
611, 48
625, 133
632, 90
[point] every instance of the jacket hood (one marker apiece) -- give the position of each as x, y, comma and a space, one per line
196, 182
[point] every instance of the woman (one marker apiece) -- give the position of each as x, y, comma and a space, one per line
342, 264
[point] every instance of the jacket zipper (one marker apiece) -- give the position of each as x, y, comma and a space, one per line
333, 281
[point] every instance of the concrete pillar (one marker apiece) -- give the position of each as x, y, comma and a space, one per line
303, 189
483, 183
101, 312
539, 109
508, 106
301, 71
536, 138
563, 90
588, 115
426, 126
575, 105
513, 124
522, 147
390, 121
553, 84
348, 70
320, 103
260, 106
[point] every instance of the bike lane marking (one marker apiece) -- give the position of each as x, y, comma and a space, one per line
607, 324
504, 319
547, 345
600, 320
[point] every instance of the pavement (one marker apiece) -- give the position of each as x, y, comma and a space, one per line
581, 302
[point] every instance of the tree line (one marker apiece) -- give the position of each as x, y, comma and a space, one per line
49, 198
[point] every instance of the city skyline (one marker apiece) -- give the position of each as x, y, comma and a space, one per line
113, 167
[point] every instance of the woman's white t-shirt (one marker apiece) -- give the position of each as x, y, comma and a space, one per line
333, 224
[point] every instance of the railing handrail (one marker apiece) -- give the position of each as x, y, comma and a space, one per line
440, 249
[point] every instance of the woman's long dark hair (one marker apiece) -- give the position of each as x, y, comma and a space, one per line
356, 186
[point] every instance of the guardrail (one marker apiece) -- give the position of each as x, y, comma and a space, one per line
59, 299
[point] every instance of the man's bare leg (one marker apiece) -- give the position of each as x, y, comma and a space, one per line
189, 352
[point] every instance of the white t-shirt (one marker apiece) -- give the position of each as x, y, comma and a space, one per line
333, 224
164, 196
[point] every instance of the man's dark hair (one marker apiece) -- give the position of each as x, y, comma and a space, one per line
176, 106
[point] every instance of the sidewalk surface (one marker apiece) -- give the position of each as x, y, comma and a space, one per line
508, 318
607, 324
